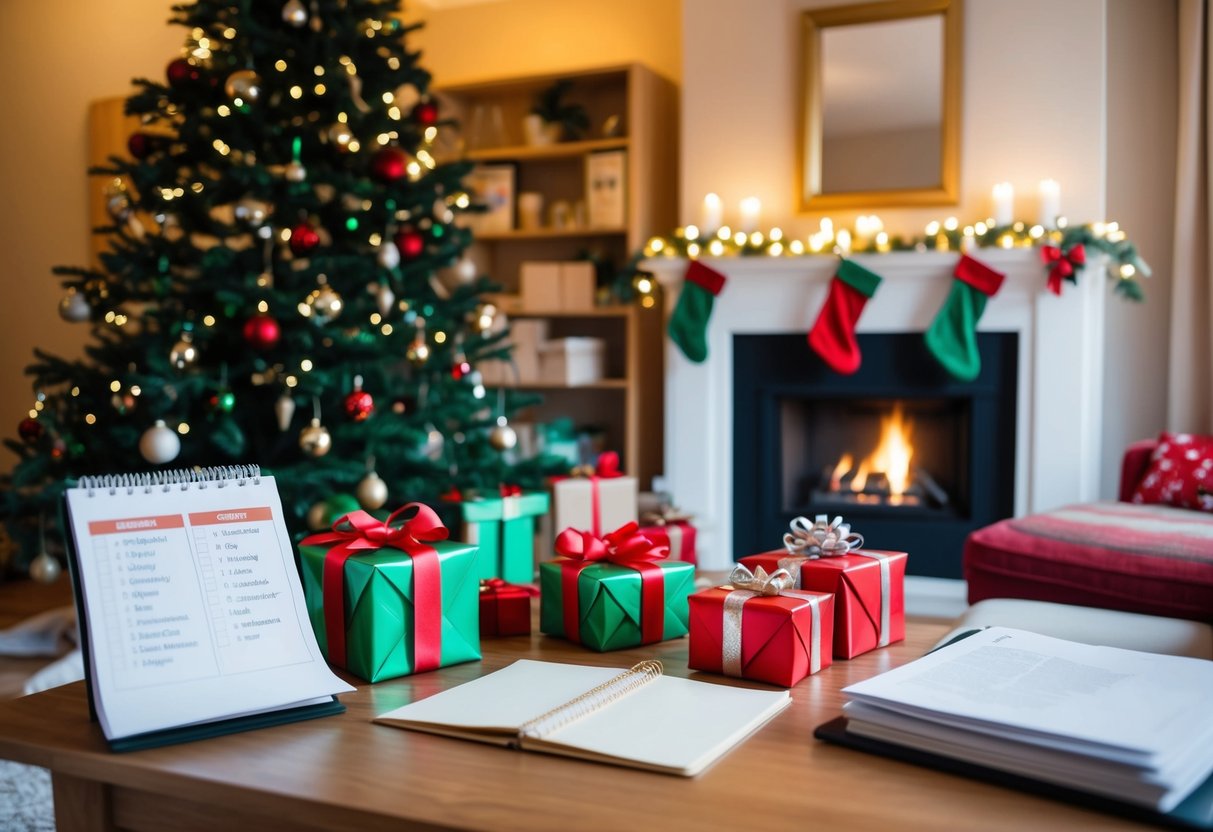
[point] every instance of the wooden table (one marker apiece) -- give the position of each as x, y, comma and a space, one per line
345, 773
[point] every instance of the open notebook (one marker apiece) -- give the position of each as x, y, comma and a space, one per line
636, 718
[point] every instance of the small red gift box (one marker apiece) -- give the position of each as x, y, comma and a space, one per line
869, 593
505, 609
759, 628
676, 532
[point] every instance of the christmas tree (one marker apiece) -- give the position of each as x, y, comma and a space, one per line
285, 284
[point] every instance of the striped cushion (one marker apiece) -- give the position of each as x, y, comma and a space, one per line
1150, 559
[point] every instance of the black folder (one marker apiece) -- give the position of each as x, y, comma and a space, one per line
1195, 812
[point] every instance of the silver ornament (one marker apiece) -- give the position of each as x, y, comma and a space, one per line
159, 444
118, 205
294, 13
183, 354
44, 569
284, 410
324, 302
341, 135
385, 300
74, 307
315, 439
371, 492
295, 172
244, 84
434, 443
503, 437
389, 255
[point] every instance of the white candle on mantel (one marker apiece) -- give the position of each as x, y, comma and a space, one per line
712, 216
1004, 204
1050, 203
751, 207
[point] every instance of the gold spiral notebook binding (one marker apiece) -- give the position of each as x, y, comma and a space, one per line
592, 700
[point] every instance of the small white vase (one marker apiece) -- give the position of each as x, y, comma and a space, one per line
539, 132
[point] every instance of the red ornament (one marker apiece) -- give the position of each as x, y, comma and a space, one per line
304, 239
359, 404
181, 72
262, 331
462, 368
410, 242
426, 113
30, 430
390, 164
141, 145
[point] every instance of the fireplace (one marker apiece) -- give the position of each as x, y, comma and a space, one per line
913, 459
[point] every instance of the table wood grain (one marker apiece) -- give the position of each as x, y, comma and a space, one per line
345, 773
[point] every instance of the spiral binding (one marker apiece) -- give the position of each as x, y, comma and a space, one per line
219, 476
592, 700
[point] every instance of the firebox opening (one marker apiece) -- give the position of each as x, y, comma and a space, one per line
903, 456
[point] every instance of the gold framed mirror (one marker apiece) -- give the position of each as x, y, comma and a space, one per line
880, 125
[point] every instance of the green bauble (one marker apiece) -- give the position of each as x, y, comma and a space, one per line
325, 513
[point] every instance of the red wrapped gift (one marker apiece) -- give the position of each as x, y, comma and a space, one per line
505, 609
671, 528
868, 585
758, 627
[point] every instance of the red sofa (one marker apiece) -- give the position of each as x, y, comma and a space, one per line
1149, 559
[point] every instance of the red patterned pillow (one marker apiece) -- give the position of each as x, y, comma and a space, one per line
1180, 473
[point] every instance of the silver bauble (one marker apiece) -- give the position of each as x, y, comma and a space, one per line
389, 255
503, 437
315, 439
244, 84
371, 492
325, 303
159, 444
183, 354
118, 205
284, 410
295, 172
294, 13
340, 135
74, 307
434, 444
385, 300
44, 569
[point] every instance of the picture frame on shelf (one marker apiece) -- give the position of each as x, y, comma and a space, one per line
606, 188
493, 187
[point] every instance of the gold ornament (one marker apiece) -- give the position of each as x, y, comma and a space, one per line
324, 304
295, 172
371, 492
243, 84
294, 13
44, 569
251, 211
316, 515
183, 354
502, 437
340, 135
315, 439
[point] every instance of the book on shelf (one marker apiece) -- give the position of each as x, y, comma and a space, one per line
1103, 726
192, 619
637, 717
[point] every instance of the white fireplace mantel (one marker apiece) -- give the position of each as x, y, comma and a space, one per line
1060, 367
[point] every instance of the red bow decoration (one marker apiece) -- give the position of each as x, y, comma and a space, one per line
625, 546
451, 495
511, 490
606, 468
359, 532
1062, 265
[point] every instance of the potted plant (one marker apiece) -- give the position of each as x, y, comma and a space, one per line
552, 119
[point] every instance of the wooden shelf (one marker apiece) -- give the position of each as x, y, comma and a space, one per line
560, 150
548, 234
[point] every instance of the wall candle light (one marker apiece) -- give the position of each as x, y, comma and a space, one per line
1050, 203
1004, 204
751, 207
712, 214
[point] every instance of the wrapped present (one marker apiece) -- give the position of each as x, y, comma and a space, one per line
505, 609
613, 592
758, 627
670, 527
595, 498
387, 599
503, 527
558, 438
868, 585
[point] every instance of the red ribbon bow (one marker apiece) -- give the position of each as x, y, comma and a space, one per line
1062, 265
359, 532
511, 491
625, 546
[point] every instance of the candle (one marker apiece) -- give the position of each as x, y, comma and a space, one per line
844, 242
1004, 204
1050, 203
712, 215
751, 207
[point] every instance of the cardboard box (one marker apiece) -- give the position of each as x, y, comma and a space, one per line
572, 361
527, 335
578, 285
554, 286
578, 501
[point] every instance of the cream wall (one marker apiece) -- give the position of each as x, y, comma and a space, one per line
1036, 105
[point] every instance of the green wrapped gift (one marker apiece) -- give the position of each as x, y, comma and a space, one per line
504, 529
388, 599
614, 592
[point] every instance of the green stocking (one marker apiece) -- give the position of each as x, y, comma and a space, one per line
689, 321
952, 336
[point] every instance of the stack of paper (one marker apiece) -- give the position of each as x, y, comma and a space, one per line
1134, 727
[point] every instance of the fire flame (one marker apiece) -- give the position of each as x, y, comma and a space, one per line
891, 457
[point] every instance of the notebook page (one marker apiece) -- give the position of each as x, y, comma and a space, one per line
194, 605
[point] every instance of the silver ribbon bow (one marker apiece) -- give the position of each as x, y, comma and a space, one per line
746, 585
821, 538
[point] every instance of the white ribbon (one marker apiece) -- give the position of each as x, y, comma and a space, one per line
745, 585
821, 538
511, 507
886, 590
